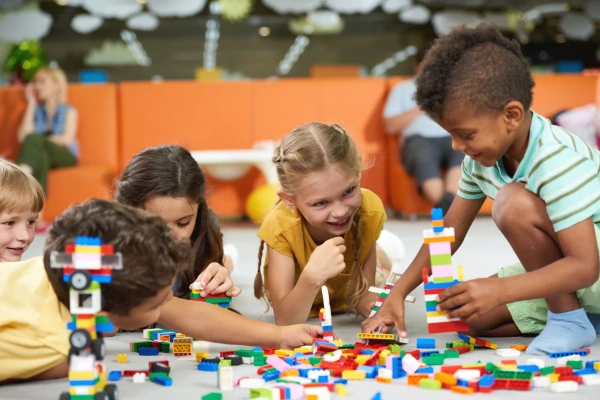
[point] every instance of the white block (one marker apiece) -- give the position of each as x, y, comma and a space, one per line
508, 353
536, 361
197, 286
252, 383
315, 374
384, 373
563, 360
467, 374
248, 360
541, 382
591, 379
275, 394
564, 387
326, 305
139, 377
225, 377
333, 357
201, 346
409, 364
82, 363
322, 393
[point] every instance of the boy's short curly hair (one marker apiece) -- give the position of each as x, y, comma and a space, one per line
474, 66
152, 255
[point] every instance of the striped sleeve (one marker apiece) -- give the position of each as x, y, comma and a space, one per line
568, 182
467, 187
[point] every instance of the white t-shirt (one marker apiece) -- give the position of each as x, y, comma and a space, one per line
399, 101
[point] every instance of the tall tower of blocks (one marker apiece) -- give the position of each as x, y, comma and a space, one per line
325, 316
442, 277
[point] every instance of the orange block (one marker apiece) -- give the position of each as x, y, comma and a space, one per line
414, 379
445, 378
290, 372
520, 347
383, 380
462, 389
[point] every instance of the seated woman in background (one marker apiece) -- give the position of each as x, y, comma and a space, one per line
48, 131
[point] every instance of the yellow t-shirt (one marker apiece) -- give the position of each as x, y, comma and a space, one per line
286, 233
33, 323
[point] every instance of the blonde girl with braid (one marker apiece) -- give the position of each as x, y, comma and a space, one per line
323, 231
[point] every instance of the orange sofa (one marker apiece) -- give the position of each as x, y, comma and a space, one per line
552, 93
97, 135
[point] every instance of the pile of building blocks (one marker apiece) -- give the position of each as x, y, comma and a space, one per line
439, 240
86, 265
222, 300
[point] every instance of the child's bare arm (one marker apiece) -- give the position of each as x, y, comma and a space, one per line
57, 372
369, 269
208, 322
461, 215
291, 303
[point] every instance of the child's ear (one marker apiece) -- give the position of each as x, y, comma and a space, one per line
514, 114
286, 198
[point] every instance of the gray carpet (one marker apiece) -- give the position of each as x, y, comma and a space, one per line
484, 251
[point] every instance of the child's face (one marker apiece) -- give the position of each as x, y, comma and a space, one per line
328, 200
17, 230
485, 138
145, 314
178, 212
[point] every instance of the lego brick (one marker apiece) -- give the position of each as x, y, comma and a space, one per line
520, 347
425, 343
508, 352
575, 364
586, 371
451, 354
443, 327
461, 390
353, 375
564, 387
434, 360
114, 376
414, 379
148, 351
428, 353
567, 353
440, 248
212, 396
139, 377
377, 336
571, 377
121, 358
209, 367
430, 384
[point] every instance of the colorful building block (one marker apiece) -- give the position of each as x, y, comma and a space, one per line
425, 343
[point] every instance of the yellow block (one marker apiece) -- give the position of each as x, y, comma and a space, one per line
303, 350
508, 366
208, 74
341, 390
282, 352
437, 313
437, 222
553, 377
290, 372
381, 379
461, 276
362, 359
338, 342
82, 375
122, 358
383, 355
83, 249
201, 355
354, 375
377, 336
312, 397
597, 366
179, 335
86, 323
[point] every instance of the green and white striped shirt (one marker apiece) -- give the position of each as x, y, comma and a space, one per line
559, 167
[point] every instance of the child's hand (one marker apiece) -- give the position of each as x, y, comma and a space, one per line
30, 94
326, 261
298, 335
215, 279
475, 298
389, 315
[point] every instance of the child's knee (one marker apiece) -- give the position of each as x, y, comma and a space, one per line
514, 205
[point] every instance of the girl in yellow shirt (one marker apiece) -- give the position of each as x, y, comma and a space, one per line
324, 229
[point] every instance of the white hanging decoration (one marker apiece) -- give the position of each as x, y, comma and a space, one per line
444, 21
120, 9
110, 53
24, 25
577, 26
176, 8
293, 6
353, 6
85, 23
324, 19
416, 14
143, 22
393, 6
592, 7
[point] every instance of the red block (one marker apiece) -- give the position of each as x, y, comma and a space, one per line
565, 370
415, 353
268, 351
425, 275
486, 389
262, 369
329, 386
584, 349
447, 386
156, 345
373, 360
131, 372
107, 249
443, 327
574, 378
500, 384
165, 362
337, 372
434, 291
70, 248
473, 385
508, 362
519, 384
462, 349
450, 369
224, 354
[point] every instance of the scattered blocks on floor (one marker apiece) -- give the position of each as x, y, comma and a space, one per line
508, 352
148, 351
425, 343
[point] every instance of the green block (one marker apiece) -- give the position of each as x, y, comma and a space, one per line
102, 319
448, 344
153, 375
524, 375
491, 367
195, 296
547, 370
383, 295
443, 279
430, 384
440, 259
257, 353
212, 396
260, 361
504, 374
434, 360
259, 392
395, 348
218, 300
82, 397
435, 303
314, 360
346, 346
575, 364
244, 353
451, 354
165, 347
225, 362
136, 346
375, 308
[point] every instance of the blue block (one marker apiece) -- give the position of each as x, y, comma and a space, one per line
289, 360
322, 342
590, 364
164, 381
327, 328
445, 285
370, 372
88, 241
304, 371
425, 343
209, 367
425, 370
114, 375
487, 381
568, 353
102, 278
323, 379
258, 348
300, 356
427, 353
462, 382
148, 351
431, 308
437, 214
90, 382
108, 327
528, 368
287, 392
367, 351
271, 375
340, 381
587, 371
377, 396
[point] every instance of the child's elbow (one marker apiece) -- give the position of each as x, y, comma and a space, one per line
590, 274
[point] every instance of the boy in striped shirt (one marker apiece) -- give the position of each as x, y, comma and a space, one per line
546, 190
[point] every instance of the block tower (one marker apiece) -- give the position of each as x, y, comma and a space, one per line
439, 238
325, 316
86, 265
221, 299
